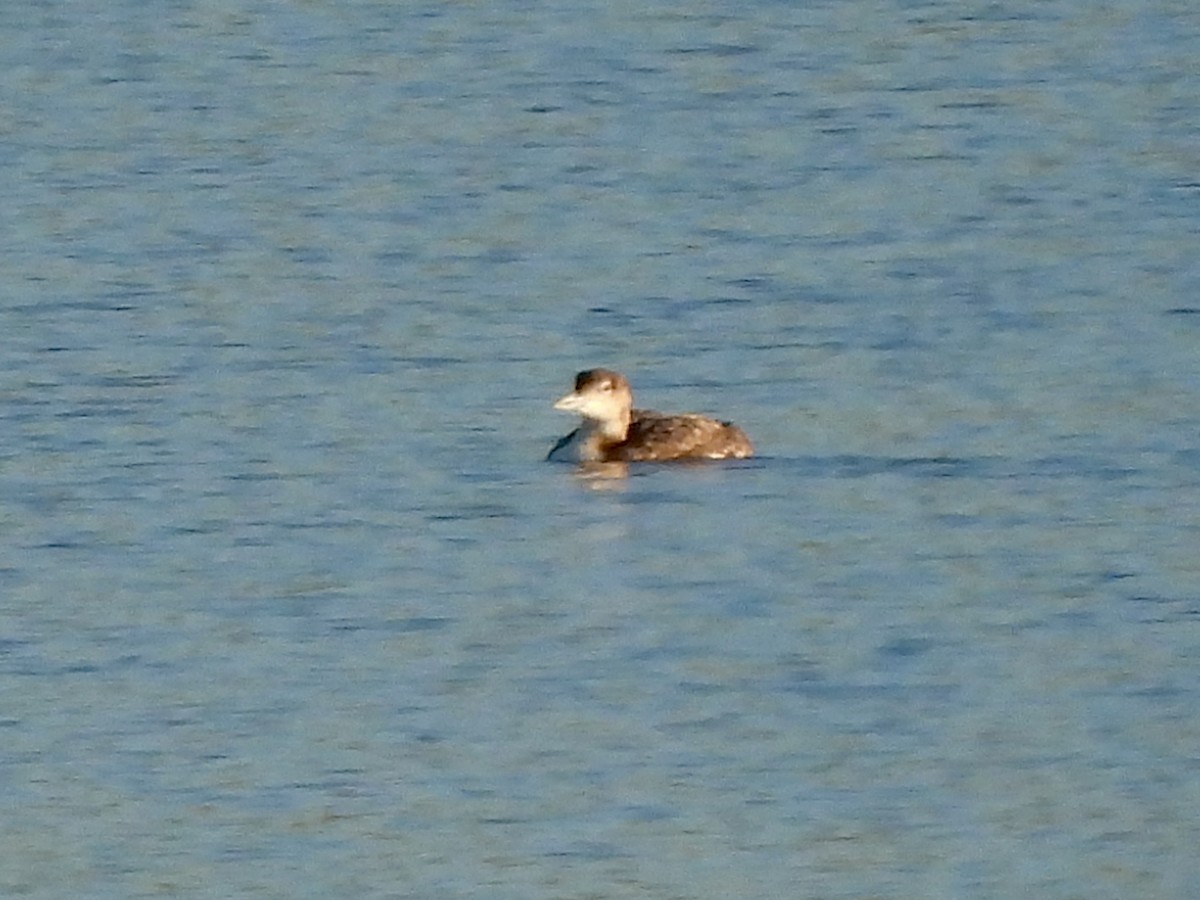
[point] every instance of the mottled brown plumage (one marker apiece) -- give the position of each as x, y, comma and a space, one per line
612, 431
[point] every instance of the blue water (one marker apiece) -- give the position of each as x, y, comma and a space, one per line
291, 607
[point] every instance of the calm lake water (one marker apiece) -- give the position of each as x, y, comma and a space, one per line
290, 605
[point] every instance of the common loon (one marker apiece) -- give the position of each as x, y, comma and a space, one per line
613, 431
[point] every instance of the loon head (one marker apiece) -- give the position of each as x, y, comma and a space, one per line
600, 395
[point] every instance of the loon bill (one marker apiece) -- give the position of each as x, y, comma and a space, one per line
613, 431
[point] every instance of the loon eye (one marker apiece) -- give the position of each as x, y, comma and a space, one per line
606, 386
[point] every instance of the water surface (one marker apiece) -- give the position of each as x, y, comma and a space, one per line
290, 606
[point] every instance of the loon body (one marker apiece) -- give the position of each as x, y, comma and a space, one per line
613, 431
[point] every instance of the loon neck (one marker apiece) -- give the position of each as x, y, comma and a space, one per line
611, 430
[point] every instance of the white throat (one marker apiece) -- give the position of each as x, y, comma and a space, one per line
588, 441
